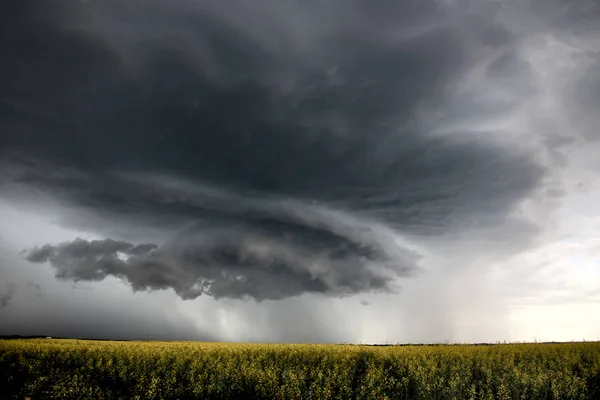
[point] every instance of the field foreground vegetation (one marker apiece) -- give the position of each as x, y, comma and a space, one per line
80, 369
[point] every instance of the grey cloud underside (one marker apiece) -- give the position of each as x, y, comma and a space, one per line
245, 246
218, 265
297, 139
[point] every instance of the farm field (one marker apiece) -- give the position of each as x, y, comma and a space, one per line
82, 369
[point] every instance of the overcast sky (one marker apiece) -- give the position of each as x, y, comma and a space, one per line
300, 171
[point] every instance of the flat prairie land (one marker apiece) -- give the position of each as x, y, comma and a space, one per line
90, 369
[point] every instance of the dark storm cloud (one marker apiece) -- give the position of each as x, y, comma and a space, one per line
61, 309
225, 264
82, 260
297, 137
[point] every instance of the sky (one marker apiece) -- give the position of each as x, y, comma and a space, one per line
319, 171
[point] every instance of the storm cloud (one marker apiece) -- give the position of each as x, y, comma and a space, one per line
223, 264
300, 162
278, 149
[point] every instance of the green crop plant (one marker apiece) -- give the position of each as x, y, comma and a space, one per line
79, 369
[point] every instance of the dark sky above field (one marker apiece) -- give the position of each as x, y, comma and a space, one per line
320, 171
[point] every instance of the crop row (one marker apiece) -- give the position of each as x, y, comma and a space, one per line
188, 370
